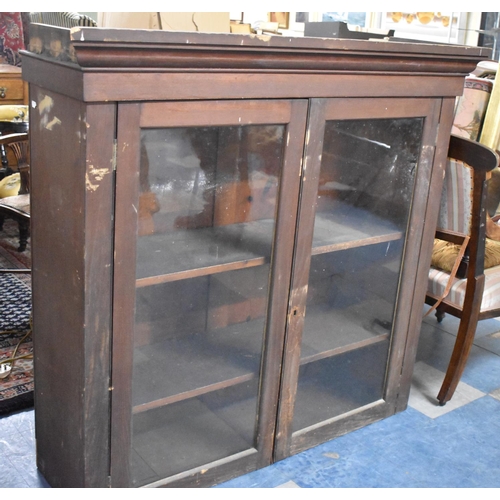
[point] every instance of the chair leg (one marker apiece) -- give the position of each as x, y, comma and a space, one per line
440, 315
459, 356
24, 232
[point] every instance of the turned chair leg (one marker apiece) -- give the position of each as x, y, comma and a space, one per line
24, 232
440, 315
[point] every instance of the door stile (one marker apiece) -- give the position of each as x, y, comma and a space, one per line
408, 296
280, 280
441, 130
127, 199
300, 276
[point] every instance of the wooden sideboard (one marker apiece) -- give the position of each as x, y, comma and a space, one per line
231, 238
13, 90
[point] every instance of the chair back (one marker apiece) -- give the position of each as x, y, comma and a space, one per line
19, 144
462, 202
62, 19
456, 197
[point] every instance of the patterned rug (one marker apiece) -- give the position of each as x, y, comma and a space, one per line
16, 390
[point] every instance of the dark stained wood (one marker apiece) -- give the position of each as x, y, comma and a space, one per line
93, 92
192, 394
409, 299
450, 236
280, 279
127, 198
235, 113
298, 285
482, 160
219, 85
99, 205
221, 113
72, 332
232, 51
337, 247
433, 198
213, 473
341, 350
201, 271
150, 48
63, 79
339, 426
473, 153
339, 109
202, 263
163, 84
302, 62
185, 40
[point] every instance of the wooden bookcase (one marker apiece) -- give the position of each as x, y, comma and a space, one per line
231, 238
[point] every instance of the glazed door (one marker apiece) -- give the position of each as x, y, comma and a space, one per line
359, 231
206, 206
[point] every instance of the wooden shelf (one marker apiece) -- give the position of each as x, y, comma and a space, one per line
329, 332
186, 254
197, 433
179, 369
344, 226
197, 252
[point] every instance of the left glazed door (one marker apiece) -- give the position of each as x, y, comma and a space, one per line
206, 207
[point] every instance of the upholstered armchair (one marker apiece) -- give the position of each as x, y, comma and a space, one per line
464, 279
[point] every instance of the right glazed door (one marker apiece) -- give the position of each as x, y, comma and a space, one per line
360, 223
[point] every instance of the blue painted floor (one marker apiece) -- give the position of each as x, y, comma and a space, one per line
426, 446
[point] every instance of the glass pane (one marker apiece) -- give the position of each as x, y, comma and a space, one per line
364, 197
206, 222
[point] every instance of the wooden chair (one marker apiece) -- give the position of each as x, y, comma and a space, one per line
63, 19
18, 207
473, 293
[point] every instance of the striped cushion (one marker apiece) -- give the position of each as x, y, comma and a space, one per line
456, 198
491, 297
62, 19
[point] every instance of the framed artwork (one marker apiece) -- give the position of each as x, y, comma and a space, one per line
236, 16
440, 27
282, 18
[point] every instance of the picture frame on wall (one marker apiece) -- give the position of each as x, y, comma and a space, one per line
282, 18
439, 27
236, 16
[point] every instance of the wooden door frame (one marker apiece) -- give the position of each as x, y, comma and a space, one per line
407, 301
132, 117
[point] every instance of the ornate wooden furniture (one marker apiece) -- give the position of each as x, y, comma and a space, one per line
18, 207
239, 240
13, 90
472, 294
